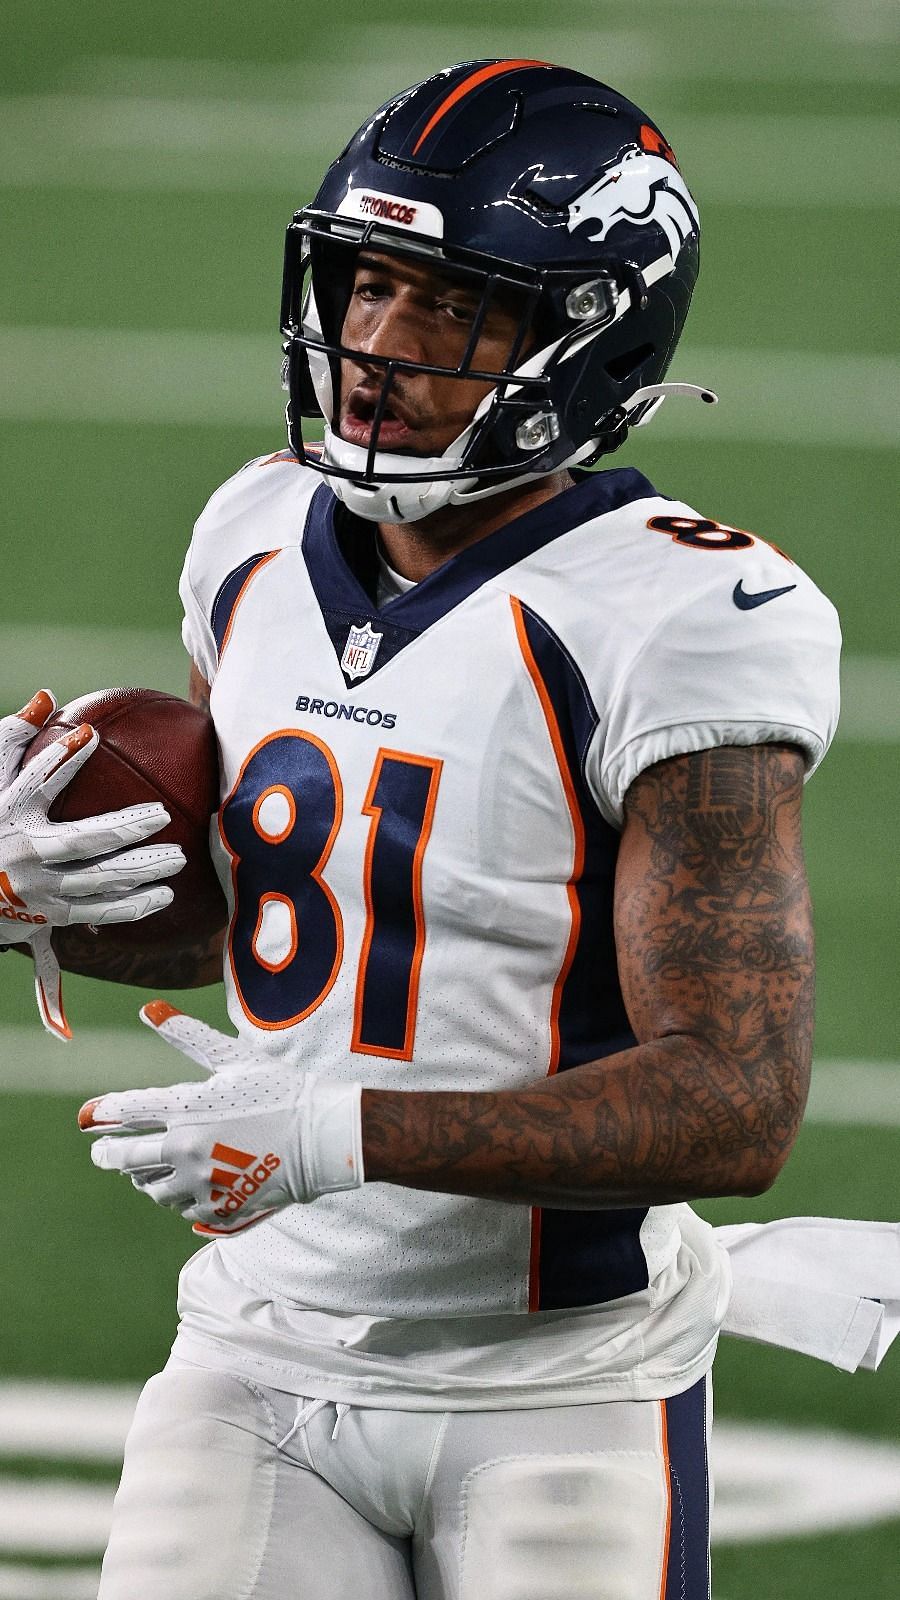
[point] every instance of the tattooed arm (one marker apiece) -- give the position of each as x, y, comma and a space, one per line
714, 941
187, 968
193, 967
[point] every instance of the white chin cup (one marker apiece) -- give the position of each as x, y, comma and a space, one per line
399, 501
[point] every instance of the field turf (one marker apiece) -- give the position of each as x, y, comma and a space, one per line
150, 157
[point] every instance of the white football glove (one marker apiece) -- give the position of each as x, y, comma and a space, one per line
55, 874
226, 1153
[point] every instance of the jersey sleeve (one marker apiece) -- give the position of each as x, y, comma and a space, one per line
196, 633
717, 671
261, 508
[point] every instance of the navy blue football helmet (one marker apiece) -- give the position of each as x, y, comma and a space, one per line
526, 180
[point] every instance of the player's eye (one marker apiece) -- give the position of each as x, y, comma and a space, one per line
457, 310
369, 289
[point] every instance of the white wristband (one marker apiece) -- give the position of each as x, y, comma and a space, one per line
331, 1138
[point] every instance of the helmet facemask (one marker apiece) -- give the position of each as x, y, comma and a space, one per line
524, 427
527, 180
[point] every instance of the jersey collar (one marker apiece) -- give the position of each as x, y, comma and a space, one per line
344, 602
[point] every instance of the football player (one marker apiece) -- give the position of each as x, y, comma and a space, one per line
519, 952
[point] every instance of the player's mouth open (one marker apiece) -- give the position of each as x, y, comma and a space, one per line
356, 424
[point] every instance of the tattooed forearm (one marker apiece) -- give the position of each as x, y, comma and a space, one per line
188, 967
714, 941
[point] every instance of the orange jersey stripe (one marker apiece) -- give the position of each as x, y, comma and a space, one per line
466, 87
574, 906
577, 824
240, 595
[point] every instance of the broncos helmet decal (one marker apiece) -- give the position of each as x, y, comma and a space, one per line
526, 180
641, 189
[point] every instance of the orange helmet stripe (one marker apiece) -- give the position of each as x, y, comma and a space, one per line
653, 141
466, 87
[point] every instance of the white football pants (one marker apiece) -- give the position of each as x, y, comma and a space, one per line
232, 1490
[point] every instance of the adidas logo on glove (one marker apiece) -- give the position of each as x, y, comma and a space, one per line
242, 1183
160, 1138
12, 907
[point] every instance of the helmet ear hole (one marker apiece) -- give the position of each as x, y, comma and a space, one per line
623, 366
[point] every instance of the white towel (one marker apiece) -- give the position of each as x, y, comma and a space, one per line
824, 1286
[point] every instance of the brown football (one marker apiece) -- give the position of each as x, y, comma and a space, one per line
153, 746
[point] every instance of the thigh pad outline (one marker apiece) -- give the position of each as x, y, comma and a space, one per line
565, 1527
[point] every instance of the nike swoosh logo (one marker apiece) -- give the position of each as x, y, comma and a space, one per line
748, 602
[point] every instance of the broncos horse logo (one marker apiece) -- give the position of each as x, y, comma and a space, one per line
640, 188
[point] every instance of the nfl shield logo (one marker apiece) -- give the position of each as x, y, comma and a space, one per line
360, 651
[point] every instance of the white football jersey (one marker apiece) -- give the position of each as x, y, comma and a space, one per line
420, 816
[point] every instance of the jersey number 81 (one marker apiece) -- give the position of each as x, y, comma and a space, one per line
279, 825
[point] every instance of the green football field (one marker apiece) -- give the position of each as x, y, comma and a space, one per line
150, 156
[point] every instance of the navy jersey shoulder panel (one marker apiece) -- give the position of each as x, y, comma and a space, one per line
592, 1011
281, 456
585, 1257
576, 714
229, 592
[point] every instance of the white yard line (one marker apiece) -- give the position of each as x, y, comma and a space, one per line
116, 375
389, 56
870, 691
826, 15
48, 1583
848, 1093
792, 396
75, 659
168, 376
96, 1060
855, 1094
172, 142
71, 661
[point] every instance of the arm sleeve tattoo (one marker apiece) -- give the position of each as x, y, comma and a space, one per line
189, 967
715, 953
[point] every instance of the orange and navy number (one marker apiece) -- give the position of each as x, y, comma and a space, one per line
700, 533
285, 862
286, 865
